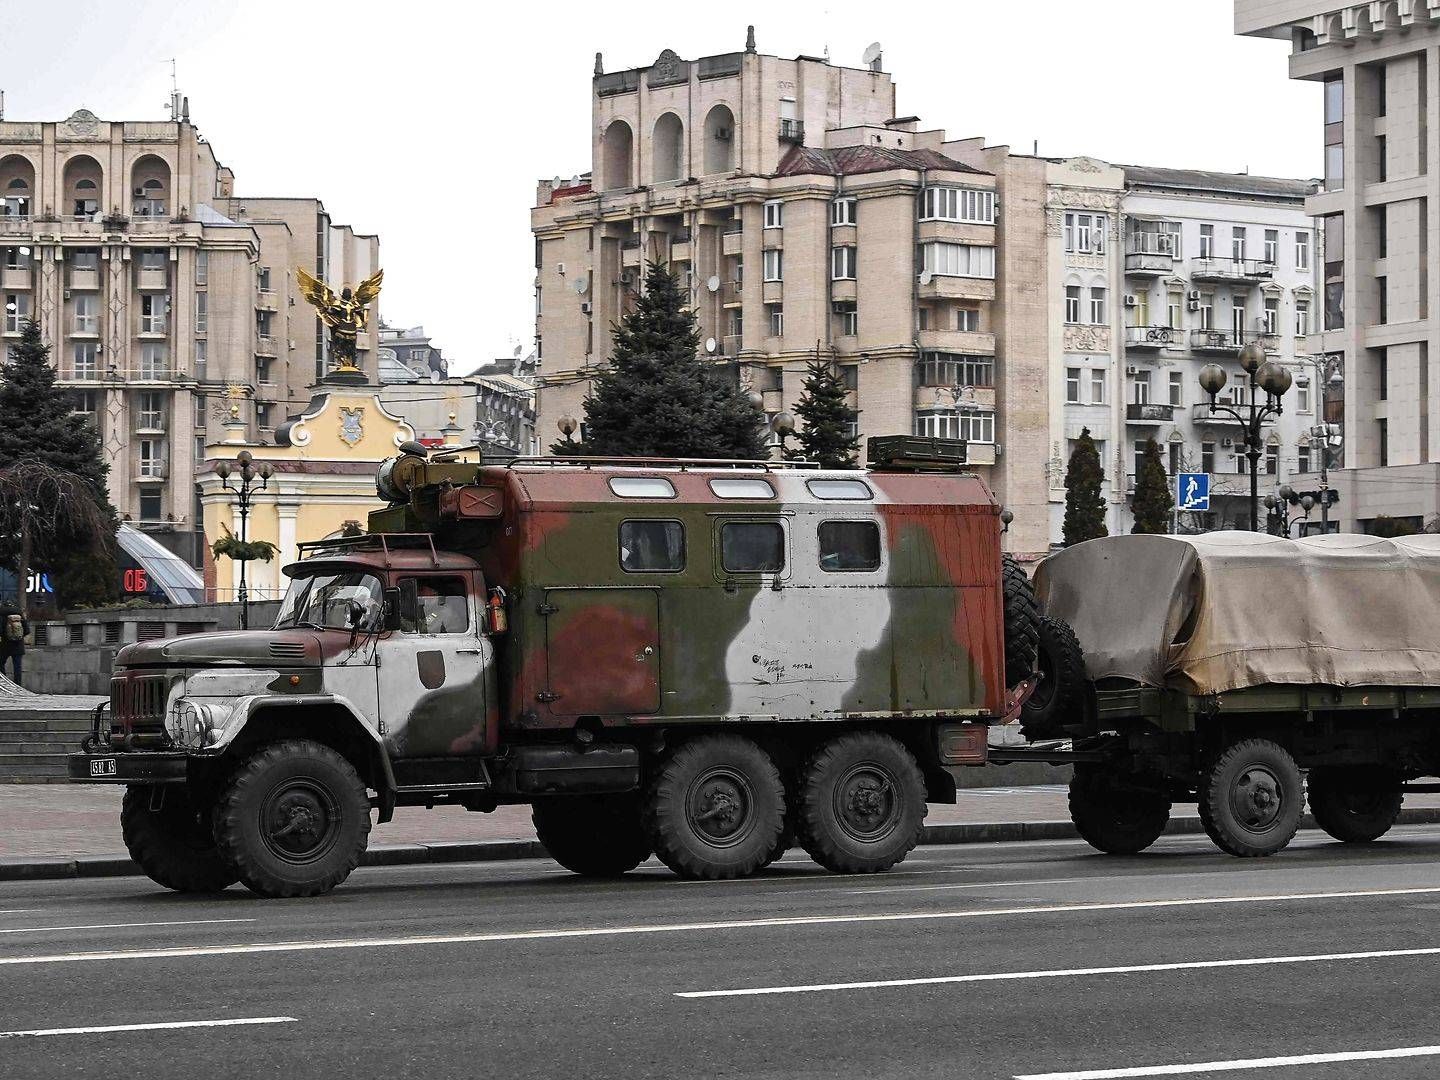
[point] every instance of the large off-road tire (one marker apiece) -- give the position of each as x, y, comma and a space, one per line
174, 844
1022, 622
592, 835
1251, 798
1355, 805
293, 819
1113, 814
1059, 698
860, 803
716, 808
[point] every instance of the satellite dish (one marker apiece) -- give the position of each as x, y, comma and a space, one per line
713, 282
872, 54
580, 284
925, 277
710, 344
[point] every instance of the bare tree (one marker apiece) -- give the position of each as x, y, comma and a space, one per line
42, 508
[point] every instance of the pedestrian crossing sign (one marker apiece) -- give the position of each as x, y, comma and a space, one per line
1192, 491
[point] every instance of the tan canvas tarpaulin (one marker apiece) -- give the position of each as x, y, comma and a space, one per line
1222, 611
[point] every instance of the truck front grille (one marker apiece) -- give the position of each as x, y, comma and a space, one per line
137, 707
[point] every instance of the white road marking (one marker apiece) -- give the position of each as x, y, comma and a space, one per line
972, 885
239, 1022
1061, 973
120, 925
321, 945
1243, 1063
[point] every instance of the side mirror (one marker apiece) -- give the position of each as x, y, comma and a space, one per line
392, 609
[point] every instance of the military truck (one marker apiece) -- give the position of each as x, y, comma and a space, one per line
1235, 670
707, 660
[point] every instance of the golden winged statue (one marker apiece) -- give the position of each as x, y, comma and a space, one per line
344, 314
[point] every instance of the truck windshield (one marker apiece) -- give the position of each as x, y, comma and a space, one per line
325, 601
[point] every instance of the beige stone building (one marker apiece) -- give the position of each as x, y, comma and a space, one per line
159, 291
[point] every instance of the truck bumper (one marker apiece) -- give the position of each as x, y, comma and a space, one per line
133, 767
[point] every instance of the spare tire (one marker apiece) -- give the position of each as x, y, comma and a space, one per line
1059, 697
1022, 622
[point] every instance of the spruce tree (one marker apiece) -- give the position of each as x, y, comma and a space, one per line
38, 422
1152, 501
658, 397
1084, 505
825, 435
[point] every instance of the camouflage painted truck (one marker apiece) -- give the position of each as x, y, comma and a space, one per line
706, 661
1236, 670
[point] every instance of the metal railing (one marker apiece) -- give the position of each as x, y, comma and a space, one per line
792, 130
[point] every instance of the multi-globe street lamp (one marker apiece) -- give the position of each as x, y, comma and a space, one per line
244, 489
1279, 503
1261, 375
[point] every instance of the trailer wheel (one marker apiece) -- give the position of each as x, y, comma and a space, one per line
294, 819
1059, 698
1355, 805
1022, 621
1251, 798
1113, 817
173, 844
861, 803
592, 835
716, 808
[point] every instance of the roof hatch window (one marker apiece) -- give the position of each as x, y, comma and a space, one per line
839, 489
642, 487
742, 489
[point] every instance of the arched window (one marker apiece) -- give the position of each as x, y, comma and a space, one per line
82, 187
668, 148
719, 140
17, 184
617, 151
150, 187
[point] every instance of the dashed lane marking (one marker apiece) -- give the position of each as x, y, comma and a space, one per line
1239, 1064
120, 925
969, 885
168, 1026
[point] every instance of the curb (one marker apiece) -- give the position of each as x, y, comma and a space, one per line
49, 867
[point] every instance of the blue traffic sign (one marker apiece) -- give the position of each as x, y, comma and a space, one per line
1192, 491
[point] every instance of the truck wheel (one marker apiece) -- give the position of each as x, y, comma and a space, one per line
173, 844
1022, 622
1113, 817
294, 819
1251, 798
716, 808
1355, 805
861, 804
1059, 697
592, 835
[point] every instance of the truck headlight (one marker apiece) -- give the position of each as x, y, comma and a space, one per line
194, 723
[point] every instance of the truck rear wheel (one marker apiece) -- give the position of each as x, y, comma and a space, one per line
716, 808
1251, 798
1059, 696
293, 819
1355, 805
1022, 621
860, 804
1112, 816
172, 844
592, 835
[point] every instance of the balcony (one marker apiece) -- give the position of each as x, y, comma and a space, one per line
979, 453
1153, 337
732, 241
970, 342
1201, 414
730, 344
1216, 341
153, 472
843, 290
630, 252
774, 400
265, 346
947, 287
1149, 413
731, 294
14, 225
85, 279
266, 300
152, 280
952, 397
150, 423
1150, 254
153, 327
15, 278
1233, 271
680, 248
85, 326
792, 131
773, 292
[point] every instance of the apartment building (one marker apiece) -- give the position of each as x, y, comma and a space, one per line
1377, 325
166, 299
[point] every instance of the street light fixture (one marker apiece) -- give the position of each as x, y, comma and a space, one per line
1277, 505
783, 425
568, 425
244, 490
1261, 375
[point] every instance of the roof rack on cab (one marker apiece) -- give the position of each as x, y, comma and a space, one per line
383, 542
679, 464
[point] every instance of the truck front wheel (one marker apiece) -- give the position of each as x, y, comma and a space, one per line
861, 803
1251, 798
171, 841
1355, 805
716, 808
293, 820
1115, 817
592, 835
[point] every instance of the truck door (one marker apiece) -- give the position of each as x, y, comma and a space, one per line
602, 651
432, 671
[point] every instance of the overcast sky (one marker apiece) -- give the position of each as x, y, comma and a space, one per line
429, 122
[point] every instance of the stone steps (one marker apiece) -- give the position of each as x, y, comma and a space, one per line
37, 734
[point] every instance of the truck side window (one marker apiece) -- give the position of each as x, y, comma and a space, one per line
752, 547
849, 545
441, 606
652, 546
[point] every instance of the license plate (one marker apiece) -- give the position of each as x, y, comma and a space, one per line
104, 766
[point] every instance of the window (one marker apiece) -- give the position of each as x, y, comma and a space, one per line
83, 260
152, 458
849, 546
967, 319
153, 361
955, 369
1272, 315
202, 268
650, 547
843, 490
1097, 386
958, 204
849, 318
152, 259
202, 312
150, 510
774, 264
842, 212
1272, 246
1174, 309
1237, 318
1097, 306
442, 606
202, 351
86, 311
1383, 442
1140, 445
1302, 249
262, 414
1207, 456
1237, 243
1335, 134
1207, 241
87, 403
1272, 460
1207, 312
1072, 385
17, 258
842, 263
1177, 388
958, 260
1174, 452
1302, 395
1141, 313
1085, 233
968, 424
153, 307
83, 360
642, 487
1072, 303
752, 547
742, 489
1303, 465
263, 279
774, 214
152, 410
1334, 272
1302, 317
1141, 388
776, 315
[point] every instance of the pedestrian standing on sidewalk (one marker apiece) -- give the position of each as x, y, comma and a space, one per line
13, 630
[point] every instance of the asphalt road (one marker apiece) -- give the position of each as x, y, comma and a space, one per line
988, 956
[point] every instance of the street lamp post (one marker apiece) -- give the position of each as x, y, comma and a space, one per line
1286, 497
244, 489
1262, 375
1327, 373
568, 426
784, 426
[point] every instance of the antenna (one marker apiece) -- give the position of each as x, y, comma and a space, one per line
580, 285
710, 344
174, 105
871, 57
713, 282
2, 104
926, 277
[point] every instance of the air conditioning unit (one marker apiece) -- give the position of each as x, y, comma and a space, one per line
1227, 441
1192, 305
67, 294
722, 134
139, 192
1130, 300
560, 268
1131, 369
1194, 294
585, 307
